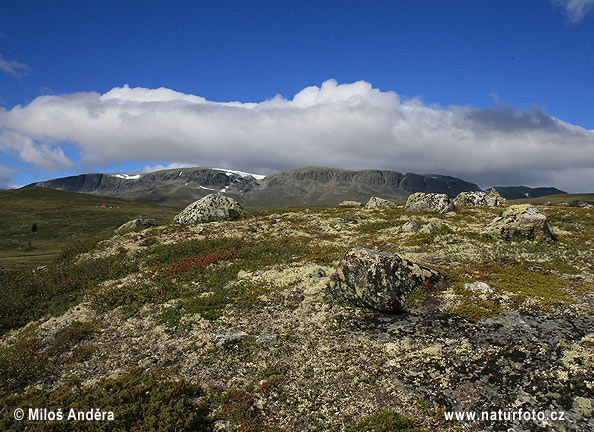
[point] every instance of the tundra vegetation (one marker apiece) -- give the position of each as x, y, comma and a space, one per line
128, 322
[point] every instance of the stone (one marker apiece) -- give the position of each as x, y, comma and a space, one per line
522, 222
479, 199
432, 202
226, 339
213, 207
410, 226
135, 225
477, 286
375, 202
267, 339
379, 280
350, 204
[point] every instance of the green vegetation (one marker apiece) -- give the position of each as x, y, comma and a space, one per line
27, 295
383, 421
37, 223
556, 199
140, 401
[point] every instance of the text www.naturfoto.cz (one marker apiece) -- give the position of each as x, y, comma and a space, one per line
504, 416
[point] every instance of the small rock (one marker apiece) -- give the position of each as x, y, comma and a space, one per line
227, 339
477, 286
375, 202
429, 228
379, 280
350, 221
350, 204
410, 226
267, 339
317, 274
432, 202
583, 405
213, 207
520, 222
135, 225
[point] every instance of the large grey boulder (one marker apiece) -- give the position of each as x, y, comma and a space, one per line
135, 225
375, 202
213, 207
432, 202
523, 222
379, 280
479, 199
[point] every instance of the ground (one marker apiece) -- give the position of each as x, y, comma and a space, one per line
145, 307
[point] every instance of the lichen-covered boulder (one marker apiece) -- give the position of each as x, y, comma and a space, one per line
379, 280
213, 207
479, 199
523, 222
135, 225
375, 202
432, 202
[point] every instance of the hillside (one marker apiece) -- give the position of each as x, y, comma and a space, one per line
521, 192
293, 187
36, 223
233, 322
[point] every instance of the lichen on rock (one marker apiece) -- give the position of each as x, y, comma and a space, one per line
432, 202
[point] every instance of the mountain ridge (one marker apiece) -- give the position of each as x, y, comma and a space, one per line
308, 185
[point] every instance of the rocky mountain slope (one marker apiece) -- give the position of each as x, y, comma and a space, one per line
234, 322
293, 187
521, 192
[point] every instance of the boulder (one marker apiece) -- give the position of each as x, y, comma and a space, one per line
350, 204
479, 199
375, 202
432, 202
379, 280
135, 225
213, 207
523, 222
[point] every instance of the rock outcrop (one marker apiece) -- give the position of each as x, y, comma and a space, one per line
213, 207
522, 222
432, 202
379, 280
135, 225
479, 199
375, 202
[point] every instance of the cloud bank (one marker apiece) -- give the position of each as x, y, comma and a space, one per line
340, 125
576, 9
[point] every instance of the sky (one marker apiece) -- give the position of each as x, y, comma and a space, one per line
494, 92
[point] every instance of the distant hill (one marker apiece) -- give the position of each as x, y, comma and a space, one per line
520, 192
292, 187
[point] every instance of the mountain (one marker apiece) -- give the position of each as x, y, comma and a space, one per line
292, 187
520, 192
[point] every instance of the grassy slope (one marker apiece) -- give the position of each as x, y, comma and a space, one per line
61, 219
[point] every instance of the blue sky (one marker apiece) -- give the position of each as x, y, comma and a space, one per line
443, 86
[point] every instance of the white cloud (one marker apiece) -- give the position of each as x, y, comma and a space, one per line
347, 125
576, 9
13, 67
41, 155
158, 167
